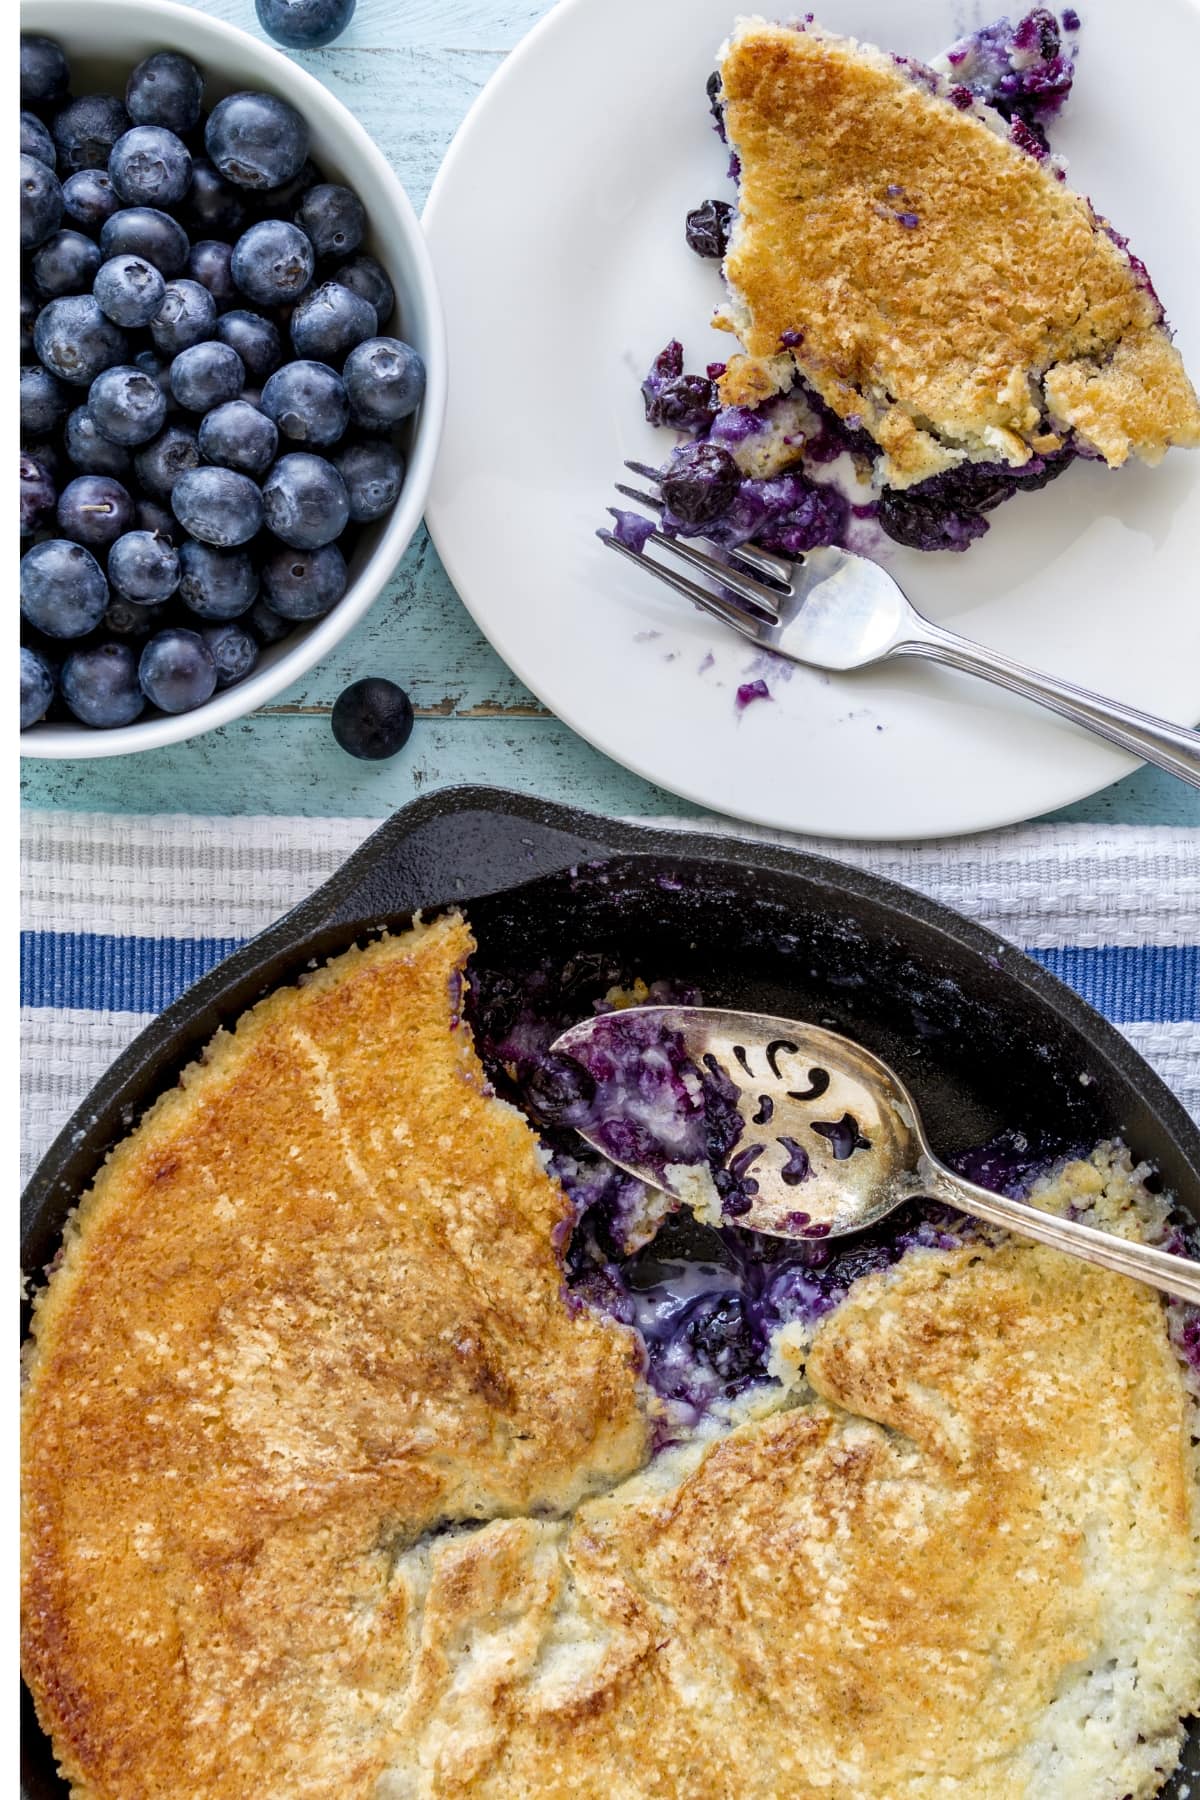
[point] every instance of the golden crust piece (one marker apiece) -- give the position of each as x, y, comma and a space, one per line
943, 1575
328, 1495
310, 1310
952, 338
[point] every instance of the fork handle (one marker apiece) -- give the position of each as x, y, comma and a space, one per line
1162, 1269
1170, 747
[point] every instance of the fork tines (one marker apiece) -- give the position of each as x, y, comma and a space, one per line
742, 598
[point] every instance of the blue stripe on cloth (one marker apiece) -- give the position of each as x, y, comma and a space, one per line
1156, 983
80, 969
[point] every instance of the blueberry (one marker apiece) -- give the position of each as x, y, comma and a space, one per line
385, 379
44, 401
94, 510
127, 405
700, 483
305, 502
308, 403
218, 506
38, 493
365, 277
256, 140
129, 619
332, 218
238, 436
44, 72
149, 166
209, 264
65, 264
720, 1334
129, 290
329, 321
212, 206
707, 228
89, 199
63, 590
206, 375
41, 202
85, 131
89, 449
144, 567
176, 671
304, 584
254, 338
559, 1091
29, 313
187, 316
372, 718
304, 24
145, 231
279, 202
272, 262
37, 687
158, 369
216, 584
36, 140
75, 341
373, 473
150, 516
266, 624
165, 89
160, 465
233, 650
100, 685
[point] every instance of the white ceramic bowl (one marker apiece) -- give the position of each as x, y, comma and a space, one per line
103, 42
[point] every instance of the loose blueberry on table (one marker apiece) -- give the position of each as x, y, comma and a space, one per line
372, 719
199, 450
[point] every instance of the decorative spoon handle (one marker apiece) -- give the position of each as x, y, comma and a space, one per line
1171, 747
1161, 1269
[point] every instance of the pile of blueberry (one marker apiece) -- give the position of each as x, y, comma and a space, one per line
208, 407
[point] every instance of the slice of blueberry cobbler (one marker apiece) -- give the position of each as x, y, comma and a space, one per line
932, 321
714, 1302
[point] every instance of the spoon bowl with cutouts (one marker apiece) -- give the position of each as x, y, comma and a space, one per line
829, 1140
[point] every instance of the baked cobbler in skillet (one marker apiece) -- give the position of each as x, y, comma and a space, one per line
377, 1443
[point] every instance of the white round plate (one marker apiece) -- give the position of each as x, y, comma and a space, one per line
556, 226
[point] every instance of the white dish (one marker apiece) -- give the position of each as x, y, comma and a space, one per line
103, 43
556, 226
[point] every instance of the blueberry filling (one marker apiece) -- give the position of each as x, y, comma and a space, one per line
707, 228
706, 1301
683, 402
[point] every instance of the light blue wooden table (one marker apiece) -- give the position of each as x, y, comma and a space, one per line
409, 69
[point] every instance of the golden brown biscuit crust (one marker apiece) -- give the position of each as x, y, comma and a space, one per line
882, 1591
950, 338
310, 1309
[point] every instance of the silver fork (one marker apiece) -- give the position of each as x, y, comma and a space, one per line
834, 610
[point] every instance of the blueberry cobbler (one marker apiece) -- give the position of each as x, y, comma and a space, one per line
715, 1305
930, 319
380, 1445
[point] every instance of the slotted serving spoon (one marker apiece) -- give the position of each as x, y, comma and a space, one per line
832, 1140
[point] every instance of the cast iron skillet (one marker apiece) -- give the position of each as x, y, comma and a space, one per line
986, 1039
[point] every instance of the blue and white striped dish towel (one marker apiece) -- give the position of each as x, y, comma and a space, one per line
121, 913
